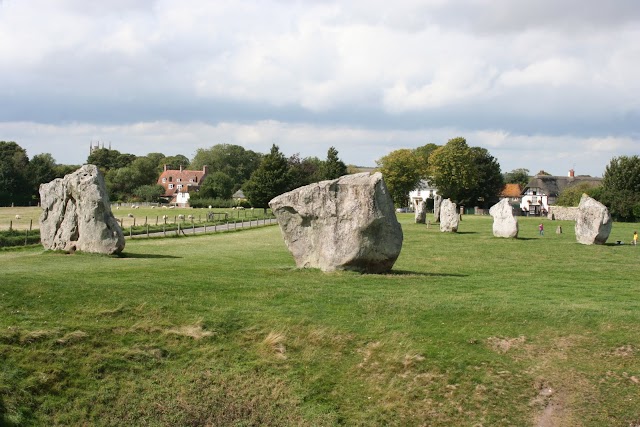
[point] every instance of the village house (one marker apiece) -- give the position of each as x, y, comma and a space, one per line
178, 183
424, 191
542, 191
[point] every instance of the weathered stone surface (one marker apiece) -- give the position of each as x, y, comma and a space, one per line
449, 218
593, 222
347, 223
437, 201
504, 223
76, 214
421, 213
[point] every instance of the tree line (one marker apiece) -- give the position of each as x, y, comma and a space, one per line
131, 178
469, 176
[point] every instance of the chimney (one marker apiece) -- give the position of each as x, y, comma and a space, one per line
571, 173
165, 167
205, 169
180, 168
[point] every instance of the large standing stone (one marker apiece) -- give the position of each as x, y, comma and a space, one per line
437, 201
76, 214
347, 223
449, 218
593, 222
421, 213
504, 223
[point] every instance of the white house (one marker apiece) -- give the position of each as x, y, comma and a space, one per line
424, 191
542, 191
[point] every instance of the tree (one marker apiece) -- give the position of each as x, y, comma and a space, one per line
333, 167
401, 170
174, 162
269, 180
107, 159
571, 195
41, 170
233, 160
217, 185
490, 181
304, 171
423, 154
122, 181
15, 187
453, 170
542, 172
149, 193
621, 187
517, 176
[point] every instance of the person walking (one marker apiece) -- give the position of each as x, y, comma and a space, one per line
541, 229
635, 238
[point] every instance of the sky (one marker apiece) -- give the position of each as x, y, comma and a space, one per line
543, 85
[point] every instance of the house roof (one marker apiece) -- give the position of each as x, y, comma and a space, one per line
511, 190
239, 195
553, 185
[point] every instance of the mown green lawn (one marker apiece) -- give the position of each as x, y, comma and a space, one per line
222, 329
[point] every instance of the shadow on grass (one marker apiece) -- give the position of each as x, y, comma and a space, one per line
4, 422
147, 256
466, 232
422, 273
524, 239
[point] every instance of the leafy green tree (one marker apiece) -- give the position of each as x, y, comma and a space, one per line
423, 154
401, 170
621, 187
269, 180
216, 185
304, 171
517, 176
453, 170
174, 162
233, 160
61, 170
122, 181
490, 181
42, 169
571, 195
149, 193
333, 167
107, 159
542, 172
15, 186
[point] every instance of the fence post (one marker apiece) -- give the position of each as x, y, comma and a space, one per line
26, 237
145, 220
10, 225
131, 231
134, 221
30, 225
156, 220
164, 228
178, 230
147, 230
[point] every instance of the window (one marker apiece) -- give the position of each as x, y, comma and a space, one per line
170, 186
179, 186
178, 180
191, 180
170, 179
164, 179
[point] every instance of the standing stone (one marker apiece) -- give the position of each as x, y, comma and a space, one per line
437, 200
593, 222
421, 213
76, 214
504, 223
449, 218
347, 223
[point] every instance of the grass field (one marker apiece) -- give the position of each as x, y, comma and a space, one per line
468, 330
30, 216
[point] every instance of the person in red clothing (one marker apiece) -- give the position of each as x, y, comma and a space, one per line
541, 229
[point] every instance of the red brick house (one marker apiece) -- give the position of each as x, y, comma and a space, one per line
178, 183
